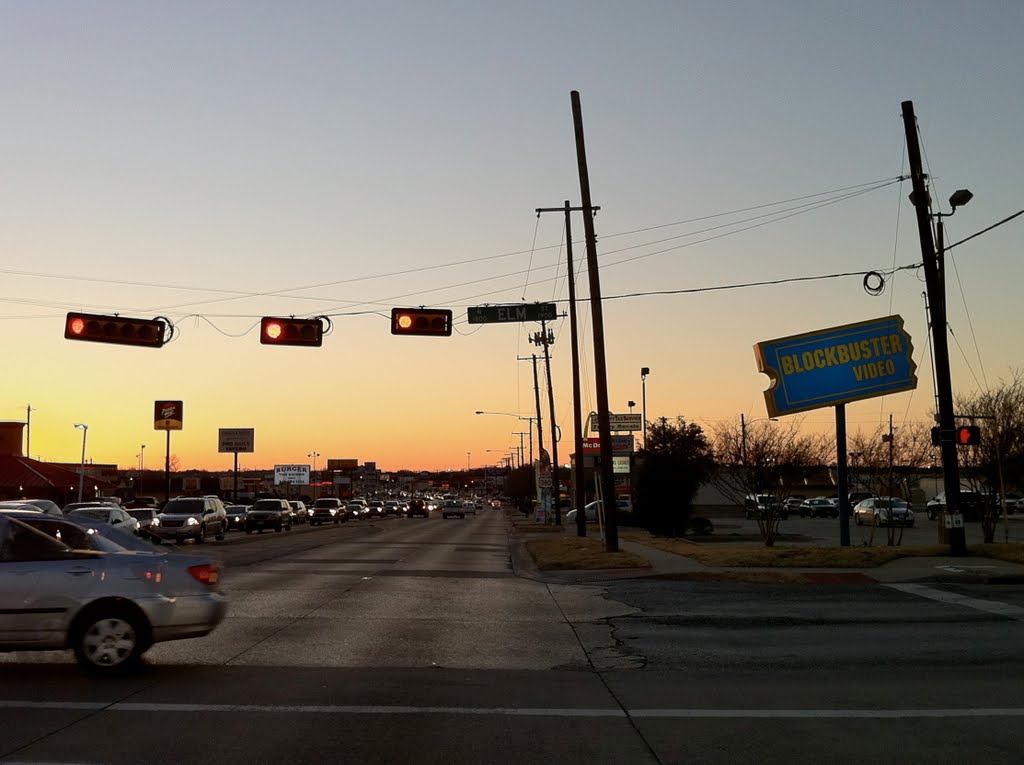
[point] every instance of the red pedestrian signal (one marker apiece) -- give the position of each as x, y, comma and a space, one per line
99, 328
275, 330
435, 322
968, 435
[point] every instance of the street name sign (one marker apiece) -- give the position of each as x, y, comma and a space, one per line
240, 440
492, 314
837, 365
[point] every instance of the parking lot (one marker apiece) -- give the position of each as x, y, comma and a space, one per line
730, 524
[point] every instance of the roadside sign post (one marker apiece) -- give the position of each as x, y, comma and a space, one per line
831, 367
168, 416
235, 440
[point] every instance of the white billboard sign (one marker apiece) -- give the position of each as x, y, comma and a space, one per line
295, 474
236, 440
619, 422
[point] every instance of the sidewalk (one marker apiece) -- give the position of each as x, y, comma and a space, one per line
943, 570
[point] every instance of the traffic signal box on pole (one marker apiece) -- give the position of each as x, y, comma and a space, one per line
99, 328
435, 322
965, 435
276, 330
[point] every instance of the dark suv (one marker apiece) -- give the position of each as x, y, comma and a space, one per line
273, 514
327, 510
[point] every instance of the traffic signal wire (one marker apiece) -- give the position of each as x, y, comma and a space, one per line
844, 193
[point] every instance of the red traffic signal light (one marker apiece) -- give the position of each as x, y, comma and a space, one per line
99, 328
275, 330
421, 321
968, 435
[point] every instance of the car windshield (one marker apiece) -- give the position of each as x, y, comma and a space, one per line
99, 513
266, 505
185, 506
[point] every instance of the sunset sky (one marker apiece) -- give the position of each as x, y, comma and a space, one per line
217, 162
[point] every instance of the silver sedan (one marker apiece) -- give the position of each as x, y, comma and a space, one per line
66, 586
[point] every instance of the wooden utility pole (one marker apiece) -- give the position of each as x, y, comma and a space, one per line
578, 484
600, 366
940, 346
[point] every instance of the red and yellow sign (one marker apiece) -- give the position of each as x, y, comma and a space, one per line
167, 415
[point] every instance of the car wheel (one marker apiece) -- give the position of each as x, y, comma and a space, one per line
220, 536
109, 641
336, 521
277, 528
878, 520
201, 536
248, 531
857, 520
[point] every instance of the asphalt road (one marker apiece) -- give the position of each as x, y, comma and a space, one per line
413, 641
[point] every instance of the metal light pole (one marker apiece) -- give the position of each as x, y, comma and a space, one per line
314, 455
644, 371
81, 471
531, 420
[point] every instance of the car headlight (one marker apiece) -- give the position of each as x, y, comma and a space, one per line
156, 522
192, 521
334, 511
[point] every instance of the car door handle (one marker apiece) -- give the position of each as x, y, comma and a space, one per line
80, 571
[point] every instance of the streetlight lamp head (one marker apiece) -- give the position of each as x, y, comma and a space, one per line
81, 426
959, 198
479, 411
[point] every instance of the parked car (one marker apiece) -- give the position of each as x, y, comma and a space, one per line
300, 514
96, 598
112, 514
273, 514
883, 511
589, 512
236, 516
47, 506
819, 507
192, 518
759, 505
972, 505
327, 510
86, 503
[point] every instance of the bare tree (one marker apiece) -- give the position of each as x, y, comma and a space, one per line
891, 467
993, 466
762, 463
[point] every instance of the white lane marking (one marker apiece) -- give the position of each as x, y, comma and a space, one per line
873, 714
953, 598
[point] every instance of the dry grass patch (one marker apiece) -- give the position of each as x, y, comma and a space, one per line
792, 556
571, 553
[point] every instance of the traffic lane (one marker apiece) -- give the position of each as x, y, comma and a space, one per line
414, 594
252, 714
827, 531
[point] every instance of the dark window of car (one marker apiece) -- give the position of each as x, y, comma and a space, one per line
96, 513
23, 543
185, 506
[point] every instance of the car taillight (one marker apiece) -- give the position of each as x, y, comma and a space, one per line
207, 574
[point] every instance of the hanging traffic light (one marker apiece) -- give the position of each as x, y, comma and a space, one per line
99, 328
968, 435
276, 330
421, 321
